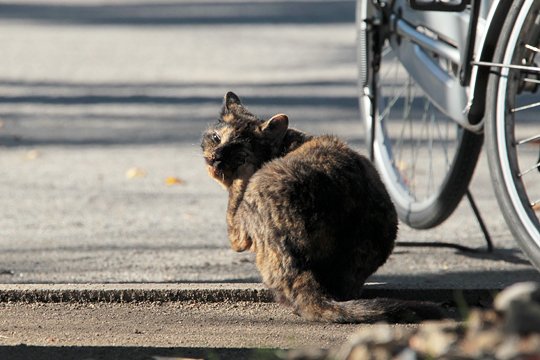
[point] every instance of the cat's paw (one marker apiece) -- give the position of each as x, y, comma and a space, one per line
245, 171
242, 244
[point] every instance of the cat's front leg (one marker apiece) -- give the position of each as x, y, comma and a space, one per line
239, 238
240, 244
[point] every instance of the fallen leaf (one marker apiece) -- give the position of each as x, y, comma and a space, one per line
32, 155
171, 180
2, 123
536, 207
135, 172
402, 166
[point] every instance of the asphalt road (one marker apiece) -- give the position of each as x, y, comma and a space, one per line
101, 103
166, 331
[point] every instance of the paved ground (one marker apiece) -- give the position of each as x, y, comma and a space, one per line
93, 95
148, 321
165, 325
174, 330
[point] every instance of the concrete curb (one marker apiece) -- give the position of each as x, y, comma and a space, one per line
208, 293
149, 292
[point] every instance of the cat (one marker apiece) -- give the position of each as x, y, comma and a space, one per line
314, 211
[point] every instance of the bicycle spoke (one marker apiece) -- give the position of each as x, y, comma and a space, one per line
410, 168
393, 69
386, 111
534, 81
525, 107
533, 48
416, 149
444, 147
528, 140
529, 170
430, 147
406, 115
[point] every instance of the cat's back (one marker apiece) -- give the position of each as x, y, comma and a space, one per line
321, 156
323, 167
323, 187
326, 153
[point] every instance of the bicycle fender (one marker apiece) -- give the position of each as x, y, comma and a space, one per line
485, 50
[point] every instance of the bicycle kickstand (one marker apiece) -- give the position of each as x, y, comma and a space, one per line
476, 211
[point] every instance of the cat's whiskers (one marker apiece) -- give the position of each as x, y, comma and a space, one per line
195, 153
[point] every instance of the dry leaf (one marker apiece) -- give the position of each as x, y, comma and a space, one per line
32, 155
402, 166
135, 172
2, 123
536, 207
171, 180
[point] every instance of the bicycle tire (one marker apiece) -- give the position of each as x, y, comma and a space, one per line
507, 126
456, 169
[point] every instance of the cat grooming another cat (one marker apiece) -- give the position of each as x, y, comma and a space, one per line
314, 211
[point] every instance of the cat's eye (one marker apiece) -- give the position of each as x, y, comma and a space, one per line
216, 138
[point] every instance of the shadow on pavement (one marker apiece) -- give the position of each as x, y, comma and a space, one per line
79, 113
510, 256
184, 13
343, 101
478, 279
23, 352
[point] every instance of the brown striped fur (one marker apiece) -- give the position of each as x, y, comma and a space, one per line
314, 211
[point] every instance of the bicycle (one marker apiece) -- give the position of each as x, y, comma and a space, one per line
436, 77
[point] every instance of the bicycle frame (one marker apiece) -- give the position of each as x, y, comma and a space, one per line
432, 46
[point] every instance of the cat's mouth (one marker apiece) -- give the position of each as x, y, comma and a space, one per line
214, 172
224, 173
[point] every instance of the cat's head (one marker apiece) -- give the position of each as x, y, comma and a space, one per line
239, 143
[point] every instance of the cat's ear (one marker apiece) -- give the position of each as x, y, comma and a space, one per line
276, 127
230, 101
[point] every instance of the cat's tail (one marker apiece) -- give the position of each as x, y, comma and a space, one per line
385, 309
369, 311
311, 304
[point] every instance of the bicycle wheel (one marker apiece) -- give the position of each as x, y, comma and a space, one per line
513, 125
425, 159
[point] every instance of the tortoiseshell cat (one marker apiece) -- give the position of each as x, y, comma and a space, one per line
314, 211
